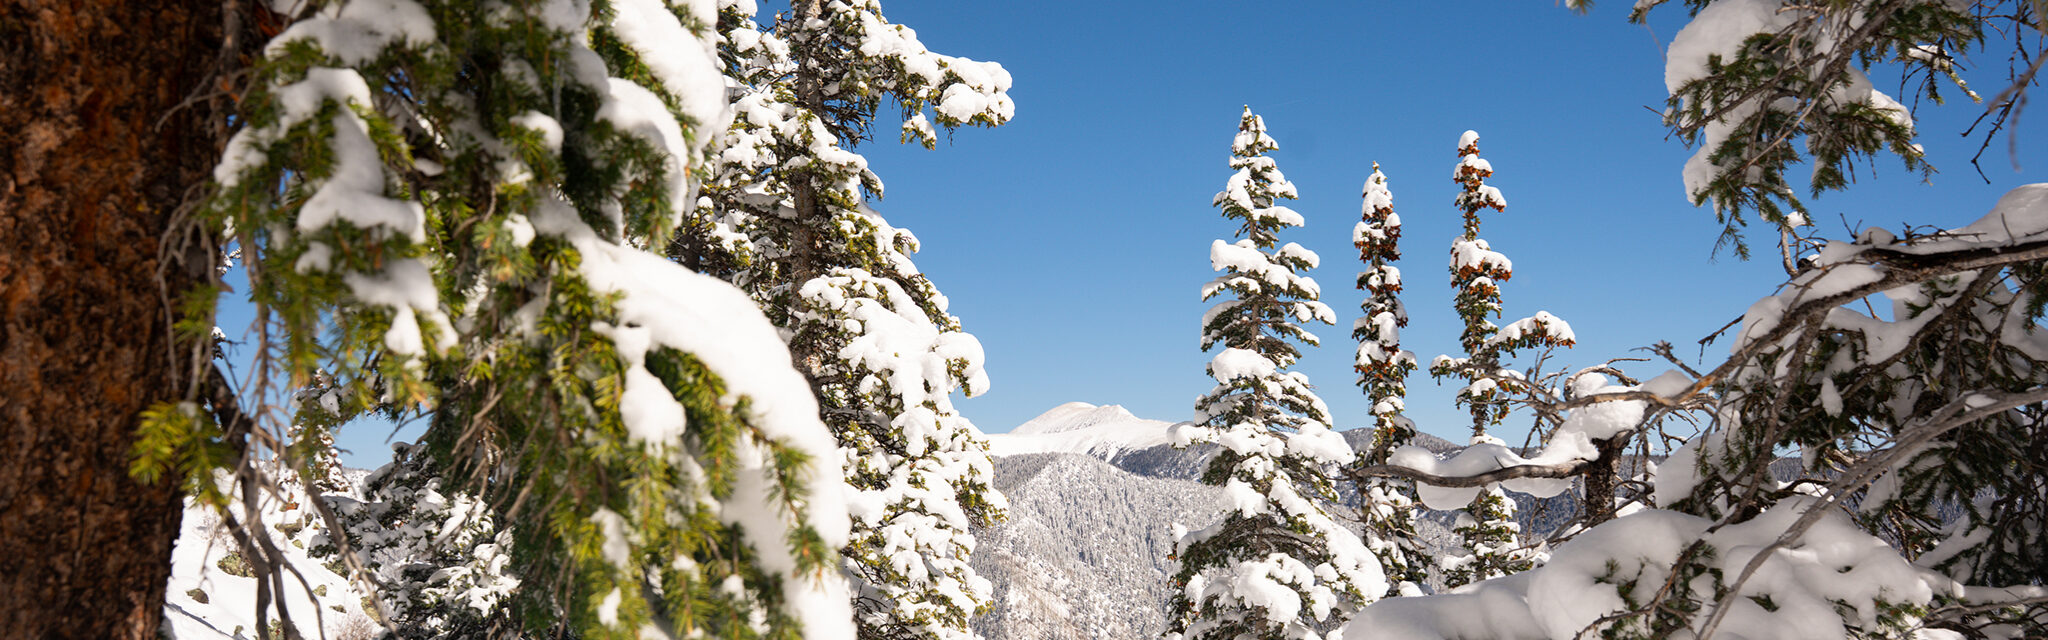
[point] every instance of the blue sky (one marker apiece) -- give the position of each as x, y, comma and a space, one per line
1072, 241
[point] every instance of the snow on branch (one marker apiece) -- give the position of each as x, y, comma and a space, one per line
1731, 550
1555, 470
1970, 408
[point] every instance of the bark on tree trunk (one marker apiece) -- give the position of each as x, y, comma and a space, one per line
94, 159
1601, 480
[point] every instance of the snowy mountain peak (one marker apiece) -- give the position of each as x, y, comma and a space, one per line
1079, 427
1074, 416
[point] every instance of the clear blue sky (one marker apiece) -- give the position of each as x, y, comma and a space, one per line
1072, 241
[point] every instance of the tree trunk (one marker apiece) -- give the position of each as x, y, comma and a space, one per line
1601, 480
95, 157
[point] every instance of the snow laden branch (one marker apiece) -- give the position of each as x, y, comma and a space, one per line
1749, 79
446, 211
1912, 507
1684, 396
1552, 471
1969, 409
1845, 273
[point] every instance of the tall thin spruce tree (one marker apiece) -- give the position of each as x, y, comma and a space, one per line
1387, 506
443, 208
786, 216
1487, 533
1277, 566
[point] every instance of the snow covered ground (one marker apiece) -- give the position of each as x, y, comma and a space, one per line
211, 595
206, 601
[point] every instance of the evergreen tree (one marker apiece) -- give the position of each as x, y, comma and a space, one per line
1387, 506
443, 561
1939, 406
1278, 565
319, 412
1486, 531
1489, 540
1915, 501
787, 210
444, 208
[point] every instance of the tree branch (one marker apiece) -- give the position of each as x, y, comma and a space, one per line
1964, 410
1552, 471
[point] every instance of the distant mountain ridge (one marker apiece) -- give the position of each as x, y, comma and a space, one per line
1093, 491
1138, 445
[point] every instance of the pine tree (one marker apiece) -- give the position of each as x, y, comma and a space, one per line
1387, 506
444, 208
319, 413
788, 209
1277, 566
1488, 540
440, 554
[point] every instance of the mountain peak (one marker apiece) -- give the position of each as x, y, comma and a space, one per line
1078, 427
1073, 416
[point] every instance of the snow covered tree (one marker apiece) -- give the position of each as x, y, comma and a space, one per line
318, 414
444, 209
787, 211
1387, 506
1476, 272
1278, 565
443, 561
1486, 530
1490, 542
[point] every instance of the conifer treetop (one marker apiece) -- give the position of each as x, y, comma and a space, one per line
1382, 364
1471, 172
1251, 194
852, 58
1476, 272
1278, 565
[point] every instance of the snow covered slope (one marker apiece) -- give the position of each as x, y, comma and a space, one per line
1093, 491
1083, 553
207, 600
1075, 416
1078, 427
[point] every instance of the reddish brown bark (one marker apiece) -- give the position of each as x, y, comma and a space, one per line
94, 159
